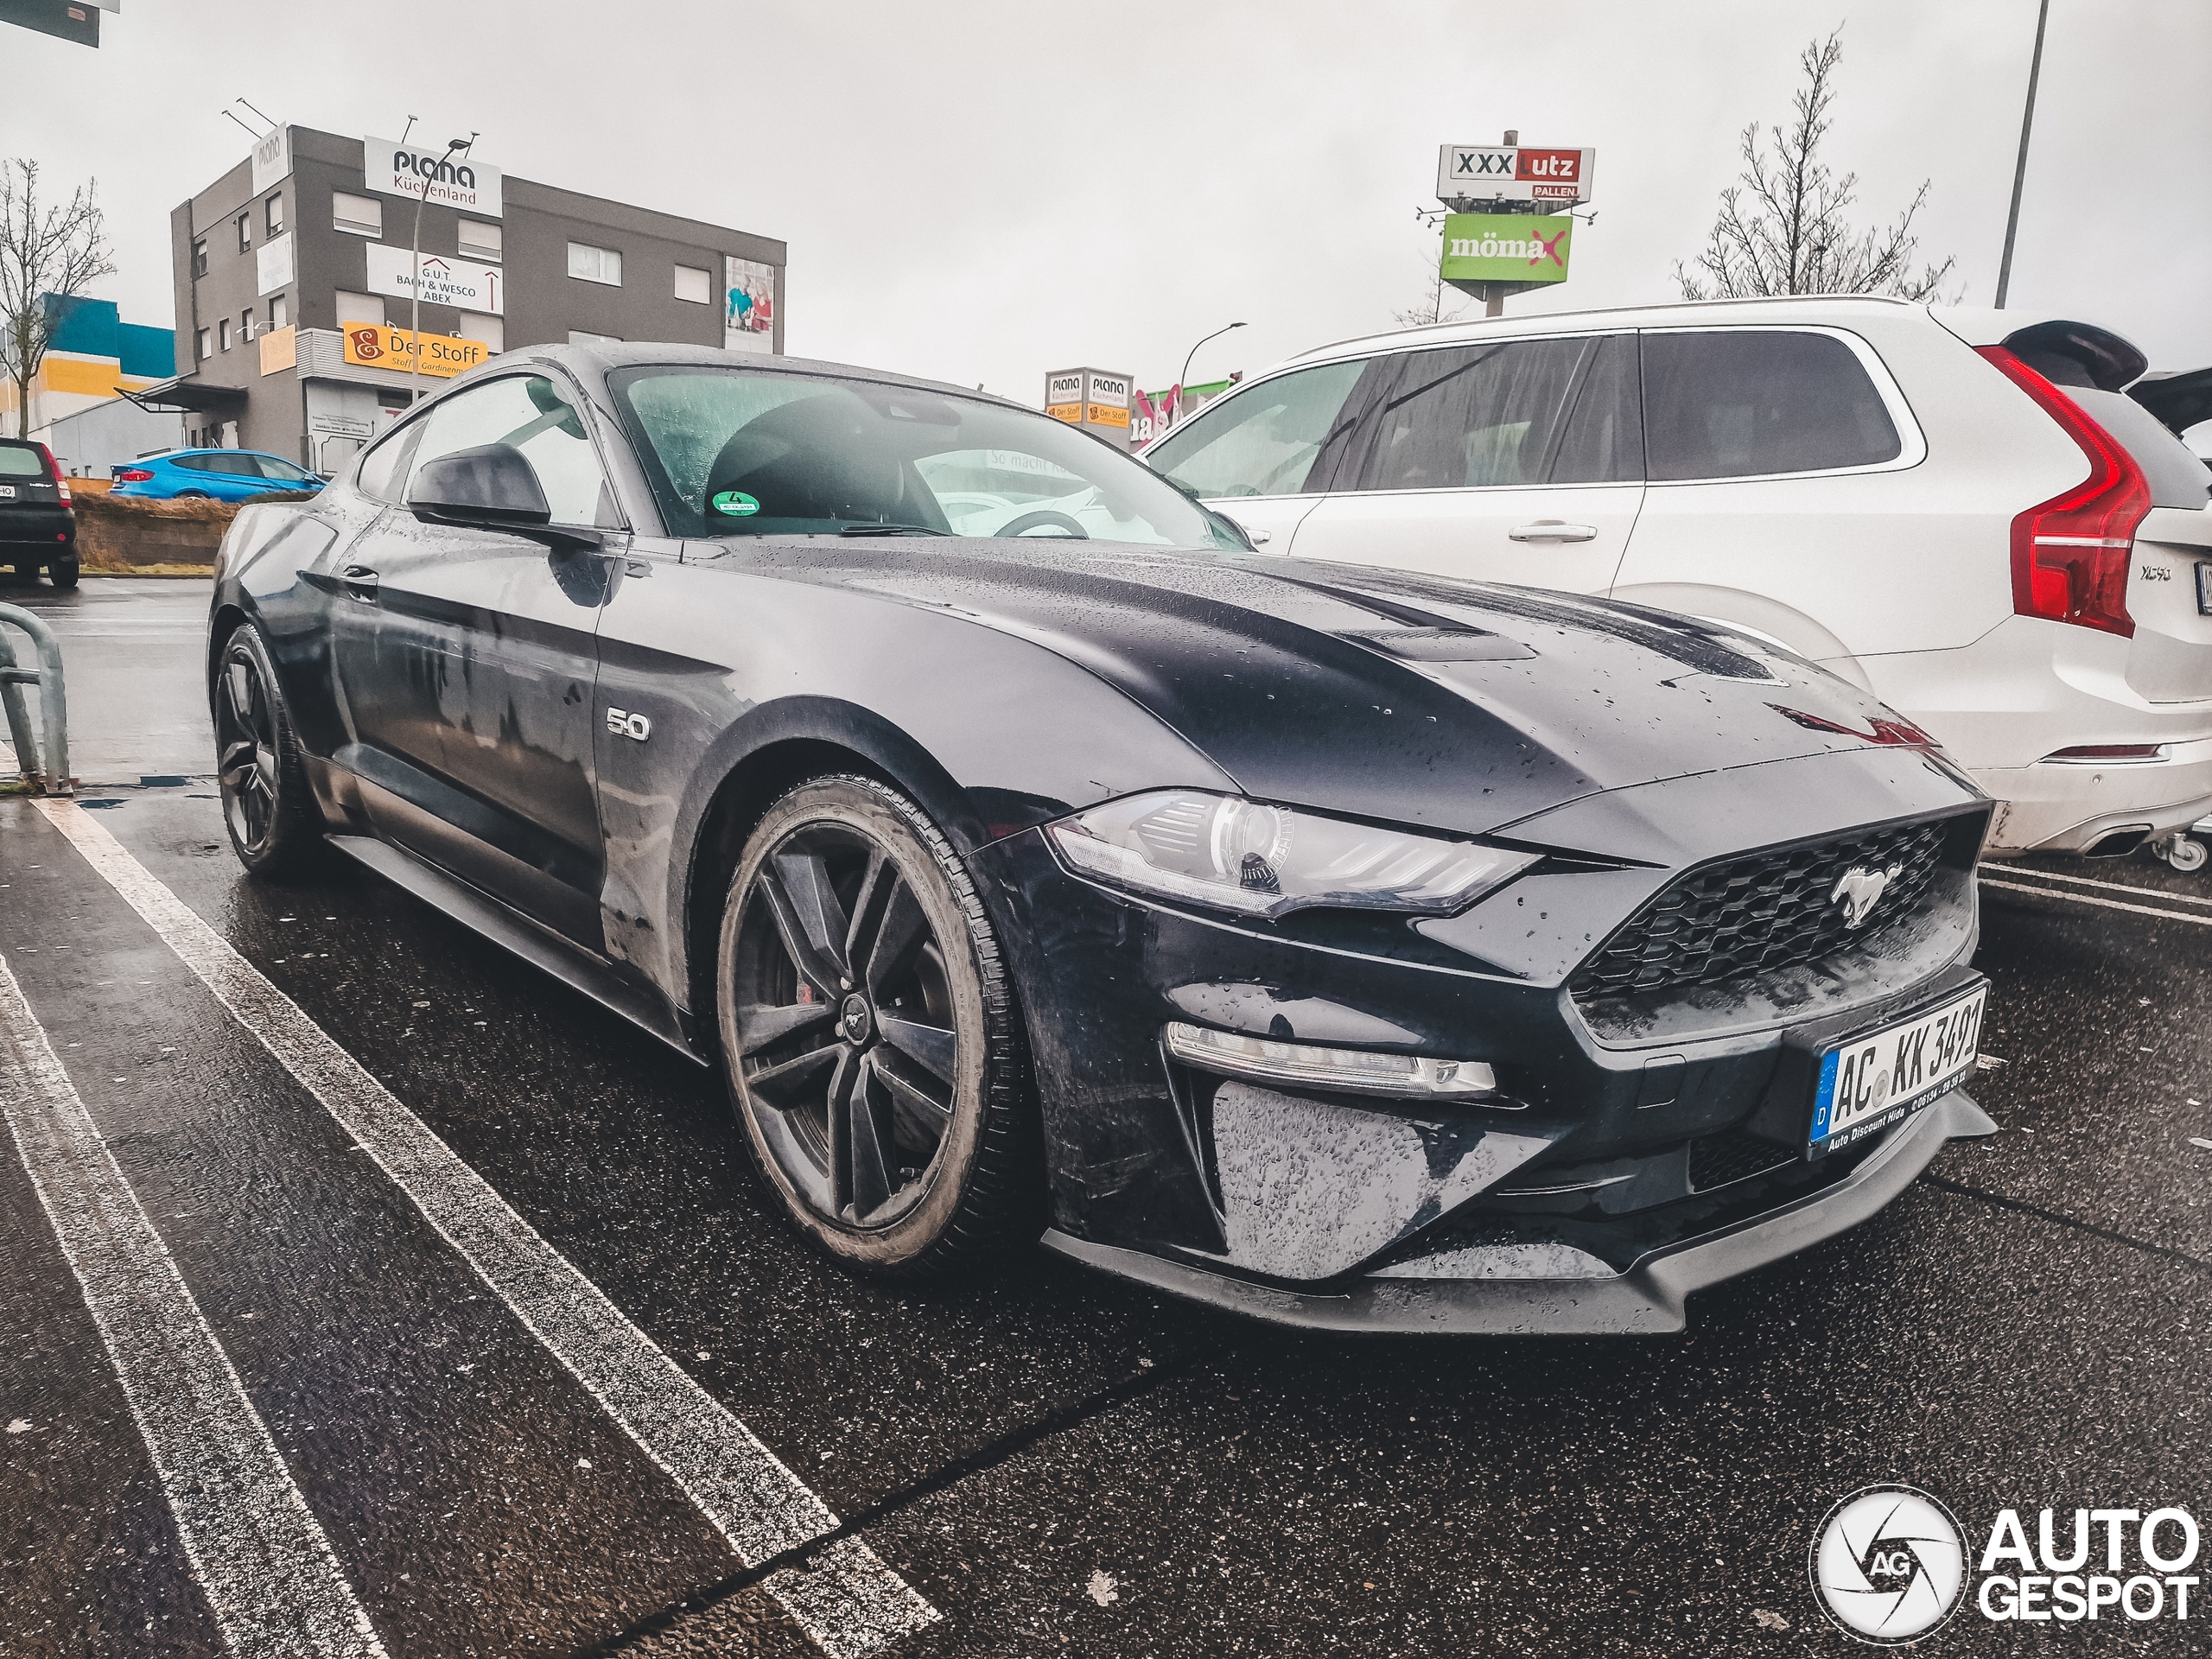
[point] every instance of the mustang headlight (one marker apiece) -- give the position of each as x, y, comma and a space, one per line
1260, 860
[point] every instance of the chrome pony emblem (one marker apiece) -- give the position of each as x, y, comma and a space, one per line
1861, 890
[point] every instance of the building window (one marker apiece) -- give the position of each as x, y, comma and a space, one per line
199, 258
279, 313
223, 334
478, 241
360, 307
245, 232
361, 215
245, 323
492, 331
592, 264
276, 214
692, 284
580, 337
206, 349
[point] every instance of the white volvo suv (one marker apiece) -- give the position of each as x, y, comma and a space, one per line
1961, 511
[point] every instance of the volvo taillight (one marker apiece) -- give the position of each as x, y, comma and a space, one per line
2071, 554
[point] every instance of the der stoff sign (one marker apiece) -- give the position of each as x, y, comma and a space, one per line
1493, 173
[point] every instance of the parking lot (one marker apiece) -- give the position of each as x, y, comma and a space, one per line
487, 1342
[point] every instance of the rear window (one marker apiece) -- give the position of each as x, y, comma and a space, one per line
1740, 405
21, 460
2176, 478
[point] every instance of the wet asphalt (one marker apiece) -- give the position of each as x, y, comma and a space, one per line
1058, 1463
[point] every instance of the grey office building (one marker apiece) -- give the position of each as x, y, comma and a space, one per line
295, 267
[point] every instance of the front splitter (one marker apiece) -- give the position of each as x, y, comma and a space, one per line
1646, 1300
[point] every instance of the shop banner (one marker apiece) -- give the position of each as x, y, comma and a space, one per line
1506, 247
462, 283
379, 345
749, 321
463, 181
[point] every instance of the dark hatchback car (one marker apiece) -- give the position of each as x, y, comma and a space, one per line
38, 527
1344, 947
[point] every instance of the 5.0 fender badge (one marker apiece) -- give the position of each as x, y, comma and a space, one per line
624, 724
734, 504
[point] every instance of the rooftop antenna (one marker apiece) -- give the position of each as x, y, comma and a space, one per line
273, 125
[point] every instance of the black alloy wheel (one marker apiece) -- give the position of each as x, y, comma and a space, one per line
273, 823
868, 1034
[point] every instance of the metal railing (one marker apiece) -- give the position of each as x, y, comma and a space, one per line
52, 701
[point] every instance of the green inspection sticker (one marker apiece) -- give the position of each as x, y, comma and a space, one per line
735, 503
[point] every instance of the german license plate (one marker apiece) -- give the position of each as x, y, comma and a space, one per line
1875, 1080
2204, 588
7, 492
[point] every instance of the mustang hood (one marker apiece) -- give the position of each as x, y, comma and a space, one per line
1463, 705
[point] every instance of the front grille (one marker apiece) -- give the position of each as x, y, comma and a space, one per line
1761, 913
1730, 1155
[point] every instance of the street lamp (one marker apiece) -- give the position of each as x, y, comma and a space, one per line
414, 313
2020, 167
1185, 375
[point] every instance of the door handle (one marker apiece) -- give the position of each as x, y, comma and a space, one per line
360, 582
1551, 529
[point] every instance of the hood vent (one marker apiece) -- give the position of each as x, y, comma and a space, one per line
1440, 644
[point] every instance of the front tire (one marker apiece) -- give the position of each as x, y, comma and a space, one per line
275, 828
869, 1035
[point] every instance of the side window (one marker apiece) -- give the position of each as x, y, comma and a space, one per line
1740, 404
383, 469
1264, 440
528, 413
235, 466
1526, 412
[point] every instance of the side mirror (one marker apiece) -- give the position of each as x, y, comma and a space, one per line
493, 486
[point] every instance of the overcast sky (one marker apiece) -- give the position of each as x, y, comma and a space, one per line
985, 192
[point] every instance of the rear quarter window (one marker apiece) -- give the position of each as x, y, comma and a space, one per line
1743, 404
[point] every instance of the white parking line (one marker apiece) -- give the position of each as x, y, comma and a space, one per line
2013, 872
270, 1579
2102, 904
849, 1603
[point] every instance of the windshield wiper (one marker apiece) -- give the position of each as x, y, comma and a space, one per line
891, 530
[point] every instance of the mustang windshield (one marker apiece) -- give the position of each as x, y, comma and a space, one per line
743, 452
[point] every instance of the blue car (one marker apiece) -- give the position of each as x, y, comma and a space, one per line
210, 475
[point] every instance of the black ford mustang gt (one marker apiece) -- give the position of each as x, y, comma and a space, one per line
1347, 948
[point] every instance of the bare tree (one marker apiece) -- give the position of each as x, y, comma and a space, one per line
1432, 307
59, 249
1782, 229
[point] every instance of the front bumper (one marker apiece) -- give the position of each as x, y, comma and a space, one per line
1647, 1300
1627, 1129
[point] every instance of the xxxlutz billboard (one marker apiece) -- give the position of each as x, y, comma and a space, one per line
1506, 247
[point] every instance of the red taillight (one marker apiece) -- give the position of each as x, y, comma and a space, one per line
2071, 554
131, 475
54, 470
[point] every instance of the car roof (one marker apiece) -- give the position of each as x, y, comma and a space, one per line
597, 361
1977, 326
